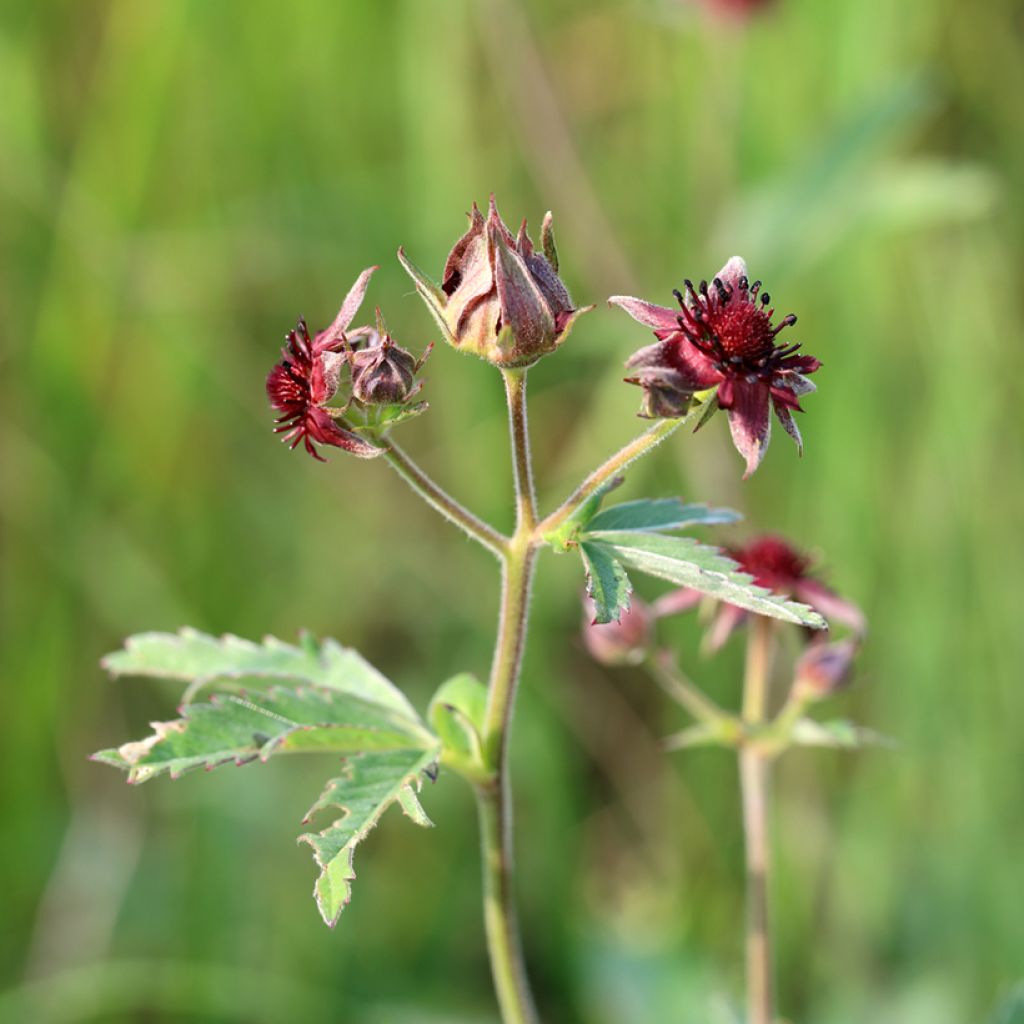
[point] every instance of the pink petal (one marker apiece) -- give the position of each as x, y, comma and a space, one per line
676, 602
749, 421
348, 310
831, 605
657, 317
727, 620
695, 367
320, 426
731, 273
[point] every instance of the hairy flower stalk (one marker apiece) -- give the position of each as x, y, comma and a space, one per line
755, 767
722, 336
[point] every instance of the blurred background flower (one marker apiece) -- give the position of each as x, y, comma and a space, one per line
179, 179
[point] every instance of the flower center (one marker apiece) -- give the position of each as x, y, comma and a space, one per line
732, 325
773, 563
742, 328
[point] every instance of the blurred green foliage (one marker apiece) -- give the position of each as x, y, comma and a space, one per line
181, 178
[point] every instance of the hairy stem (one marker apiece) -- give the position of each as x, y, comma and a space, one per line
439, 499
755, 767
494, 799
667, 675
522, 464
619, 461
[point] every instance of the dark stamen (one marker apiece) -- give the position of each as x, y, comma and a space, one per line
765, 299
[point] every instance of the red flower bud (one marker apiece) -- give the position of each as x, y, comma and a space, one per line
618, 643
824, 669
499, 298
382, 372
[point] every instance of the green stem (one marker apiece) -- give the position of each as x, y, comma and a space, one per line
754, 786
439, 499
494, 799
608, 469
522, 464
684, 692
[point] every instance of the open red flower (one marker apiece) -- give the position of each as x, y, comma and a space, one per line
722, 336
306, 379
777, 566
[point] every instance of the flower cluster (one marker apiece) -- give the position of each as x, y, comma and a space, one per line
306, 379
722, 336
774, 564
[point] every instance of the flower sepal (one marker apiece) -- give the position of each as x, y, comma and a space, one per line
379, 419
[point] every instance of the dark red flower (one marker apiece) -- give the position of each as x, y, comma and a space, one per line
722, 336
777, 566
306, 379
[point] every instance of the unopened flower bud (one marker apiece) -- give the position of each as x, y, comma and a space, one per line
618, 643
499, 298
824, 669
383, 373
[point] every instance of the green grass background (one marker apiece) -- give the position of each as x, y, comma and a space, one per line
181, 178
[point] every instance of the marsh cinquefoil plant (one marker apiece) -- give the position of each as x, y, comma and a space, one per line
765, 727
501, 299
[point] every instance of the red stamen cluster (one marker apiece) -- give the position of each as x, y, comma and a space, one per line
297, 386
773, 563
731, 325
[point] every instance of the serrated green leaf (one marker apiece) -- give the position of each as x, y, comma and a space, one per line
688, 563
371, 783
658, 514
238, 729
456, 714
198, 658
608, 586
